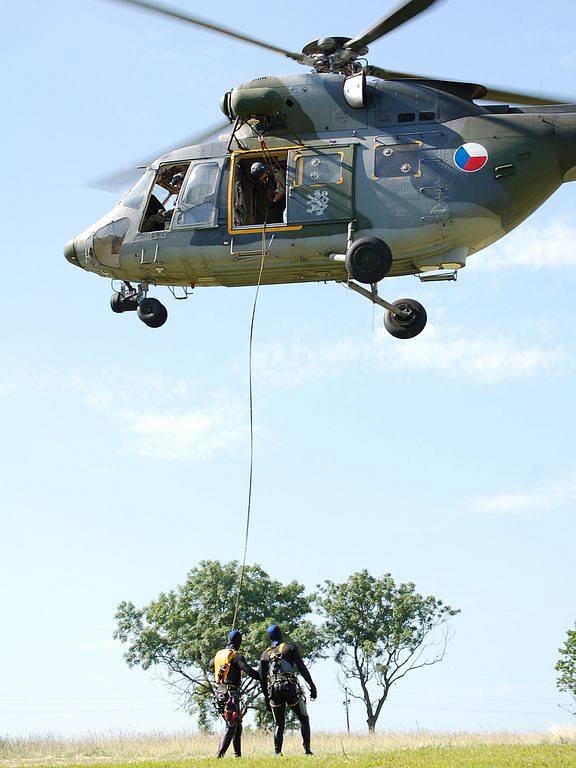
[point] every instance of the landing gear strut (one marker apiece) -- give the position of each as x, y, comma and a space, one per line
404, 319
129, 299
369, 260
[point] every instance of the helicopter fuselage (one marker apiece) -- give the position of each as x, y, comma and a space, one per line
431, 173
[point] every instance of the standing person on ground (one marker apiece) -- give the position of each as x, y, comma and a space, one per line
279, 667
228, 666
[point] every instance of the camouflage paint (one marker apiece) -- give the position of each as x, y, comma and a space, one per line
436, 216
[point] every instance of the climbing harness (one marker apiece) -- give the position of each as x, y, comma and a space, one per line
282, 683
228, 704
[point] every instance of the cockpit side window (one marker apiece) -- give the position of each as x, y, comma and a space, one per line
197, 205
164, 197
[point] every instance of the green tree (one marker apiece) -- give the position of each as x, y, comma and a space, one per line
180, 631
566, 666
380, 631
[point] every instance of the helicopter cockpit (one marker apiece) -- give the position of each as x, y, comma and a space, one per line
163, 197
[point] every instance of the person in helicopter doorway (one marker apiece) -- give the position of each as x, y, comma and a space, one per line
228, 665
279, 666
272, 185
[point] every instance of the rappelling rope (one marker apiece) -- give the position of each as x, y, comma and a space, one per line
249, 509
270, 162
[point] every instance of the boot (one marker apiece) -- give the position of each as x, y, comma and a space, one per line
306, 735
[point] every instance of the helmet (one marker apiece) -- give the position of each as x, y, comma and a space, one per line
274, 633
259, 171
177, 179
235, 638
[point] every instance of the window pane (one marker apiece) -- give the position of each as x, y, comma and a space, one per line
320, 169
199, 214
201, 184
397, 161
108, 241
135, 197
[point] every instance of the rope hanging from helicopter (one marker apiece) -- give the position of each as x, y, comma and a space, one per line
251, 408
277, 172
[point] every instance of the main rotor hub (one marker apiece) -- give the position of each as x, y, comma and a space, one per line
330, 54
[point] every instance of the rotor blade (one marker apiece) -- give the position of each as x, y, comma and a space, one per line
199, 22
121, 179
487, 92
386, 24
529, 99
390, 74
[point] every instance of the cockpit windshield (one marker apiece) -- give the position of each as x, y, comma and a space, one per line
137, 194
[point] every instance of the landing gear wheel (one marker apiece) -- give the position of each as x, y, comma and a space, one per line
409, 322
152, 312
120, 302
368, 260
117, 303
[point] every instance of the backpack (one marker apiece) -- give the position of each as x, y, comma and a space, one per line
279, 668
222, 662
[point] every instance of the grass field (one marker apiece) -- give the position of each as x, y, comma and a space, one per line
388, 750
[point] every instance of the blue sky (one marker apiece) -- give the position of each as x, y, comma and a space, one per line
448, 460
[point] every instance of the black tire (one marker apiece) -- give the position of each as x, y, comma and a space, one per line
160, 319
117, 303
368, 260
152, 312
409, 325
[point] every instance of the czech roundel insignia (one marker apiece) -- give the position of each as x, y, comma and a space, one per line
471, 157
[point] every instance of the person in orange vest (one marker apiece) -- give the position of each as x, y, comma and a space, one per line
279, 668
228, 666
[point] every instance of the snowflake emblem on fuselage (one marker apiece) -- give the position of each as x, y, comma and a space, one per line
317, 202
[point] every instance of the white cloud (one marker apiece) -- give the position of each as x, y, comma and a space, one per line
184, 435
487, 358
192, 425
528, 503
531, 247
168, 418
7, 388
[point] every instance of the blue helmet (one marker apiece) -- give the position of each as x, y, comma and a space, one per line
235, 638
274, 633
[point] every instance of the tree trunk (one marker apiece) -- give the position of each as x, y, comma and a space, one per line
371, 724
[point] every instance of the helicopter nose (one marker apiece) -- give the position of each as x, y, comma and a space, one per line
70, 253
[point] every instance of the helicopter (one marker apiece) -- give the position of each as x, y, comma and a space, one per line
350, 173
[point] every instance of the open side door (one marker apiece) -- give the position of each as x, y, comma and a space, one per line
320, 184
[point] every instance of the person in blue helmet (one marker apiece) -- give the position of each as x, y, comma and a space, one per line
228, 665
279, 667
